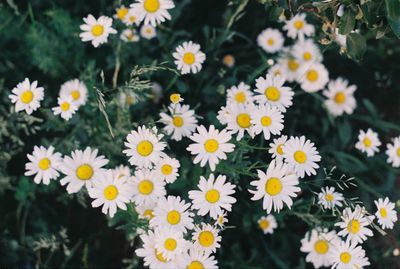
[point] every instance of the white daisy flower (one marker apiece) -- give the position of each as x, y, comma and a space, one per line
172, 212
301, 155
271, 40
129, 35
44, 164
355, 224
393, 152
27, 96
276, 187
340, 97
386, 214
273, 92
167, 168
345, 255
210, 146
175, 98
329, 199
146, 210
267, 224
306, 51
228, 60
153, 11
131, 17
298, 27
121, 12
148, 32
96, 30
206, 238
239, 94
189, 58
76, 89
122, 172
277, 70
214, 196
222, 116
197, 259
170, 243
341, 40
81, 169
147, 187
276, 147
318, 244
66, 107
368, 142
180, 122
144, 147
313, 77
221, 220
290, 67
238, 119
268, 120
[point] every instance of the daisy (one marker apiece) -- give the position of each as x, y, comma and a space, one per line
144, 147
131, 17
393, 152
276, 147
96, 30
355, 224
228, 60
239, 94
385, 213
221, 220
273, 92
345, 255
268, 120
111, 192
147, 187
271, 40
180, 122
189, 58
306, 51
81, 169
146, 210
148, 32
170, 243
153, 11
298, 27
121, 12
223, 115
301, 155
197, 259
340, 97
172, 212
277, 186
368, 142
214, 196
291, 68
66, 107
76, 89
318, 245
277, 70
27, 96
167, 168
127, 99
129, 35
329, 199
313, 77
44, 164
175, 98
238, 119
206, 238
210, 146
267, 224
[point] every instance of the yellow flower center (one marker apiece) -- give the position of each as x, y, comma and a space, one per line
44, 163
121, 13
367, 142
279, 149
177, 121
175, 98
170, 244
188, 58
240, 97
75, 94
312, 75
97, 30
211, 145
292, 65
151, 6
329, 197
195, 265
27, 97
159, 256
321, 246
300, 157
206, 238
243, 120
273, 186
132, 18
212, 196
145, 187
398, 152
353, 226
272, 93
110, 193
148, 213
340, 97
383, 212
345, 257
84, 172
144, 148
298, 24
65, 106
270, 41
264, 224
166, 169
129, 99
307, 56
173, 217
266, 121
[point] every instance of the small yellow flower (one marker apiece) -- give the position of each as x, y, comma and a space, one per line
175, 98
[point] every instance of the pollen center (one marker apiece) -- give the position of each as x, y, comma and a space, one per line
159, 256
264, 224
240, 97
145, 187
273, 186
292, 65
166, 169
75, 94
97, 30
27, 97
367, 142
151, 6
243, 120
300, 157
353, 226
266, 121
383, 212
312, 75
44, 163
195, 265
144, 148
188, 58
121, 13
270, 41
272, 93
212, 196
84, 172
211, 145
206, 238
340, 98
279, 149
321, 247
148, 213
177, 121
307, 56
173, 217
345, 257
65, 106
110, 193
329, 197
298, 24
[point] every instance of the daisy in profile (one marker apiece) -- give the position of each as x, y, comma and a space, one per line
345, 255
146, 210
268, 120
271, 91
153, 11
197, 259
228, 60
96, 30
277, 70
313, 77
340, 97
170, 243
131, 18
238, 119
66, 107
81, 169
76, 89
122, 172
44, 164
27, 96
189, 58
297, 27
214, 196
393, 152
267, 224
329, 199
180, 122
210, 146
121, 12
129, 35
144, 147
355, 224
301, 155
306, 51
167, 168
221, 220
148, 32
276, 147
385, 213
291, 68
146, 187
173, 213
271, 40
223, 115
318, 244
368, 142
276, 187
206, 238
239, 94
110, 192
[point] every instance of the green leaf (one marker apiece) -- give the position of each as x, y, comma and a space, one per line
347, 22
24, 189
356, 46
393, 15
